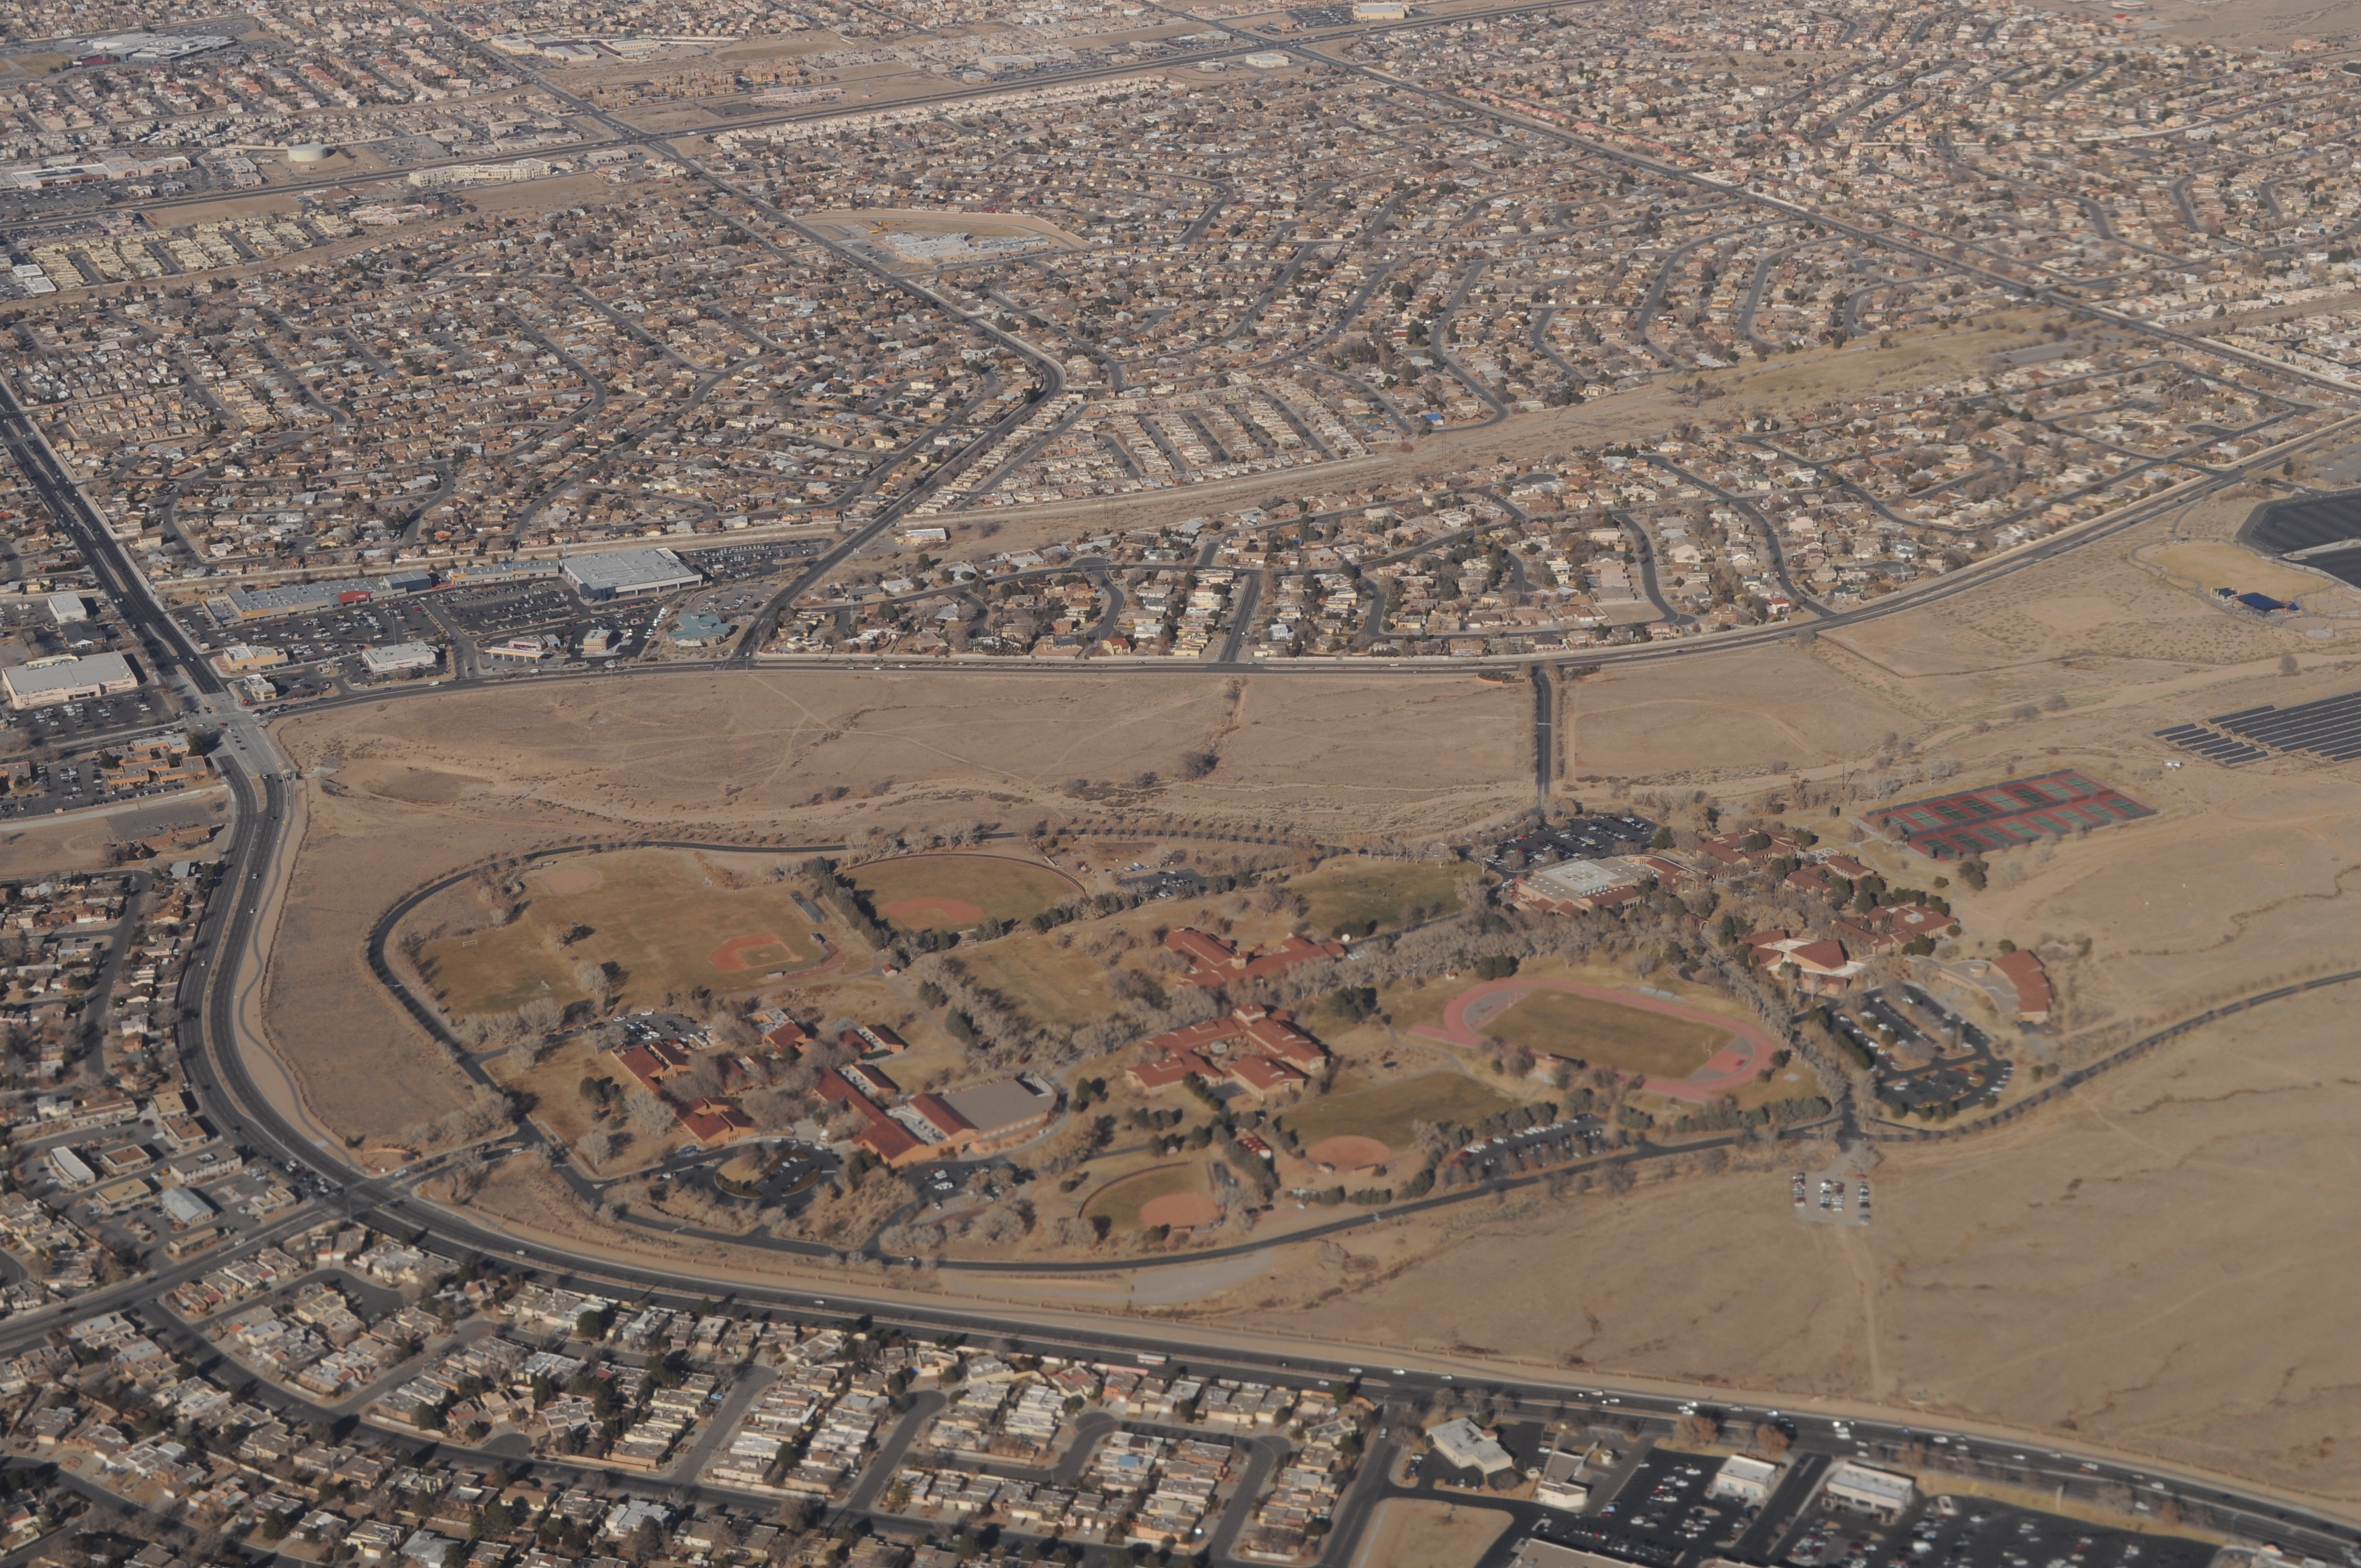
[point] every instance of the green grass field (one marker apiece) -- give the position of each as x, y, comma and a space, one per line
1389, 1114
654, 912
951, 892
1052, 985
1351, 893
1629, 1039
1121, 1199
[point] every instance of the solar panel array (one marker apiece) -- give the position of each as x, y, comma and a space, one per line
2201, 741
2329, 729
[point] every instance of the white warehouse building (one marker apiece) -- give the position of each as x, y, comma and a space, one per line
47, 683
620, 573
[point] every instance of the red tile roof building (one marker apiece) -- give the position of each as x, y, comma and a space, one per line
2032, 981
1213, 961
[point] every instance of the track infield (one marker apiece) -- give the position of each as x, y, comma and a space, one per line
930, 914
1682, 1051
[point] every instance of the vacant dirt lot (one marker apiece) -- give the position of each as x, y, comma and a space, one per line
1405, 1534
1692, 718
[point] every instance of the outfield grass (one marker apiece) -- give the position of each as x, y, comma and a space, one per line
654, 912
1607, 1034
1051, 984
1389, 1114
994, 887
1121, 1199
1352, 893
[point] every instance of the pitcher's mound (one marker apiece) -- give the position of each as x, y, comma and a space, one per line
931, 913
1182, 1211
1349, 1153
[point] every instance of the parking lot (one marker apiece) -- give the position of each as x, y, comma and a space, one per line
1662, 1509
746, 563
535, 604
72, 726
1929, 1059
1585, 837
1551, 1143
1967, 1532
1656, 1511
326, 635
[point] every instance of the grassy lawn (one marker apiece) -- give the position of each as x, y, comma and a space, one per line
1629, 1039
1052, 985
653, 912
1411, 1006
1388, 1113
556, 1087
1121, 1199
1350, 894
962, 890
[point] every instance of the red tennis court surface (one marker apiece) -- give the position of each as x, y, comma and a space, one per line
1972, 822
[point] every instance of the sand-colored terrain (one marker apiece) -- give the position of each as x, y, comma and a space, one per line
1669, 721
2158, 1263
1407, 1534
2161, 1265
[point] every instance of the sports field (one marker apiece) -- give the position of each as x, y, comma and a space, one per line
1354, 895
1049, 984
1388, 1111
949, 893
1682, 1050
654, 913
1607, 1034
1150, 1197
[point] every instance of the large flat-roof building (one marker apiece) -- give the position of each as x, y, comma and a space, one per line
1464, 1445
45, 683
1745, 1480
1882, 1494
286, 598
395, 657
620, 573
